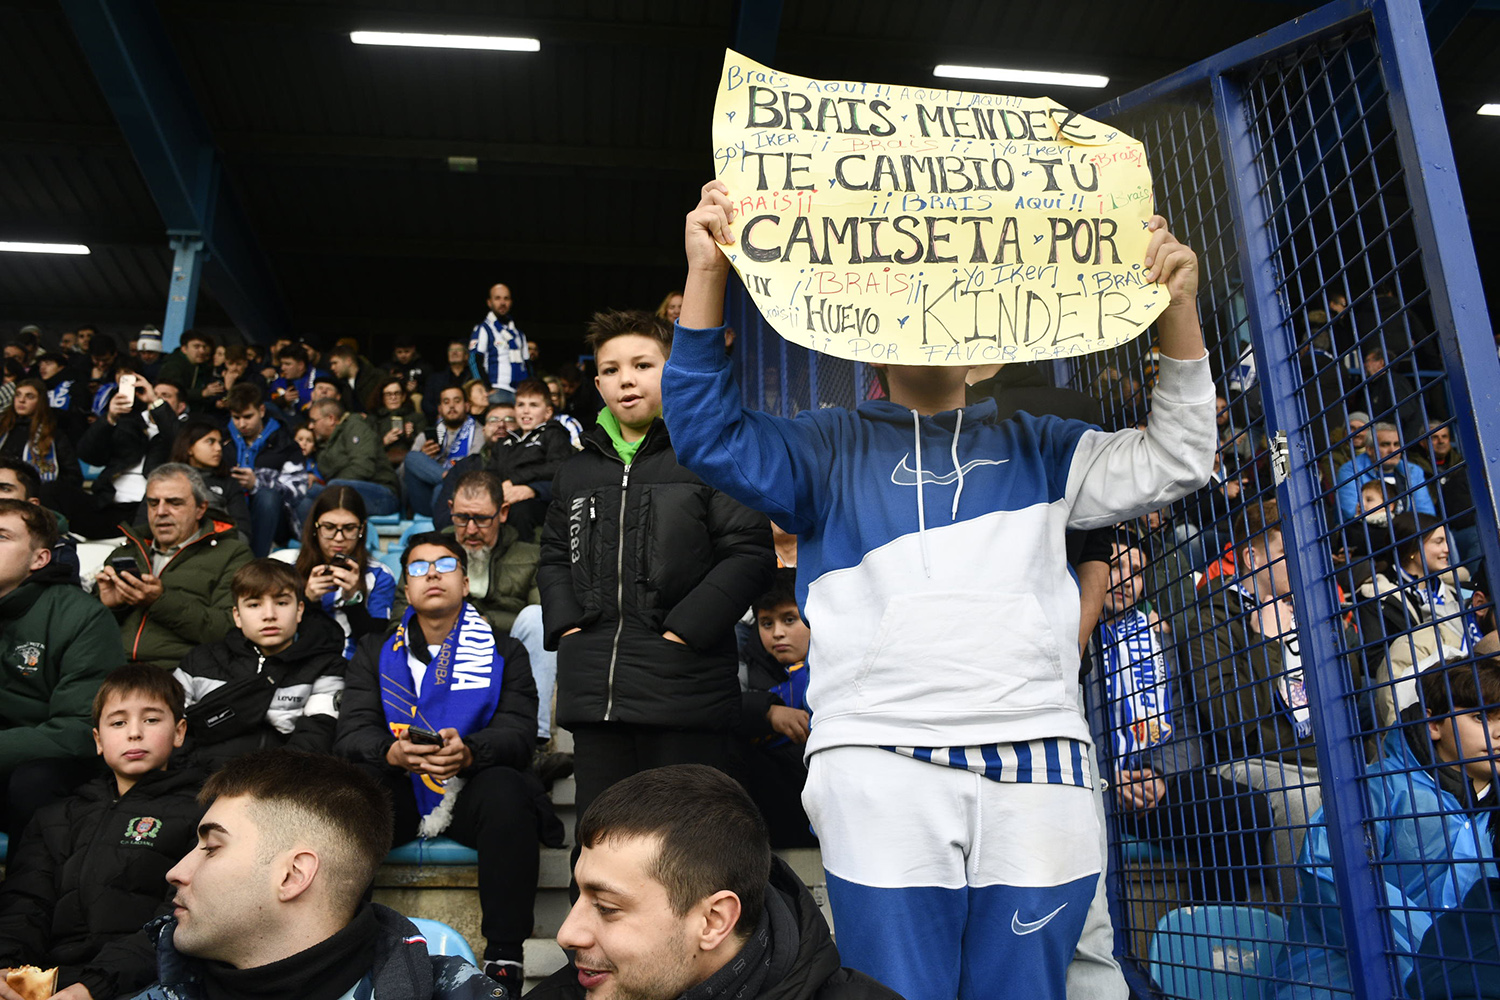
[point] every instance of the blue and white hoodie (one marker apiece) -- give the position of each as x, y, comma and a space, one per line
944, 615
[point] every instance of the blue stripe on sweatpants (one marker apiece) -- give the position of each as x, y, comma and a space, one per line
1016, 941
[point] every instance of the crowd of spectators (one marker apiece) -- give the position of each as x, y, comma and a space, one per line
579, 573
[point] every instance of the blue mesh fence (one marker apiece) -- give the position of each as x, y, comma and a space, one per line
1288, 702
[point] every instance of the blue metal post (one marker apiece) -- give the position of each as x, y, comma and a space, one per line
182, 296
1340, 760
126, 45
1448, 262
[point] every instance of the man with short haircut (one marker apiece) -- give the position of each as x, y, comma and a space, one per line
498, 355
454, 437
499, 420
350, 454
680, 896
526, 459
468, 692
1451, 483
1245, 668
271, 903
19, 481
178, 594
454, 373
259, 442
502, 577
358, 375
133, 435
293, 391
56, 645
192, 367
1405, 482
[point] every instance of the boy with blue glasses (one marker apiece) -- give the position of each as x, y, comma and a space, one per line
442, 710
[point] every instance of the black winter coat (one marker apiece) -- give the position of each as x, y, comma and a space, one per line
88, 874
229, 714
119, 446
807, 968
628, 554
363, 734
403, 969
526, 460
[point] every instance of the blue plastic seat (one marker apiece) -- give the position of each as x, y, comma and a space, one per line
1216, 952
436, 851
416, 527
392, 560
443, 940
1142, 851
4, 845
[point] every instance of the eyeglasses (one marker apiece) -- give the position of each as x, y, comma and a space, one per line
338, 530
499, 420
479, 520
421, 567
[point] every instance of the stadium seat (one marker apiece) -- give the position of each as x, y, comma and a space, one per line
443, 940
1142, 851
434, 851
4, 845
416, 527
1215, 952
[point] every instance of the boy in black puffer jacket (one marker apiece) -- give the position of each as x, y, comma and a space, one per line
90, 871
275, 682
644, 572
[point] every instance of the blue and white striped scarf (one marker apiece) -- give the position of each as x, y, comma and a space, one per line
1135, 677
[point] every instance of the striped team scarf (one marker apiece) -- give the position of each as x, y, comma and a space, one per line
1135, 677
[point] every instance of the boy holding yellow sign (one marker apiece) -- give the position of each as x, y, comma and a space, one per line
948, 776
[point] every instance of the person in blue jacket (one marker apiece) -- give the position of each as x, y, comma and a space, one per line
931, 533
1428, 800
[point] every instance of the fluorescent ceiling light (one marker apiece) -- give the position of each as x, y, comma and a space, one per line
1490, 109
72, 248
1001, 75
499, 43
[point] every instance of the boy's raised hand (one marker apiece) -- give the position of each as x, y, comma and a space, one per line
1172, 265
707, 227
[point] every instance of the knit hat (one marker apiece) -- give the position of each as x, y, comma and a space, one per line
149, 340
1357, 420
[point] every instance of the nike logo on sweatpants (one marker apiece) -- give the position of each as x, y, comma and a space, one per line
1023, 927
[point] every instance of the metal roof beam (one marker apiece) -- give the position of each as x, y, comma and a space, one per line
126, 46
342, 18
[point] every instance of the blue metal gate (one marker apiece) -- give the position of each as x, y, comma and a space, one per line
1310, 828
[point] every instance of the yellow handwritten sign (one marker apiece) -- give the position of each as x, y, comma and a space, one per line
932, 227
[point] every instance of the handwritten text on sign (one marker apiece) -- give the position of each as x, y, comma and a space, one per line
932, 227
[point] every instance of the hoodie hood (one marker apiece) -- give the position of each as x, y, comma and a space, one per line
948, 421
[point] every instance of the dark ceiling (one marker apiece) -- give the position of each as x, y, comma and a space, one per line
589, 152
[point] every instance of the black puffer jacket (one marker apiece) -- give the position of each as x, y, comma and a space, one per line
628, 554
804, 963
239, 702
526, 460
88, 874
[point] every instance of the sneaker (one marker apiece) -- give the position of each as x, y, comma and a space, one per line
508, 974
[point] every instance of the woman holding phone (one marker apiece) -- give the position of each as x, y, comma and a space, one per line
398, 421
337, 573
